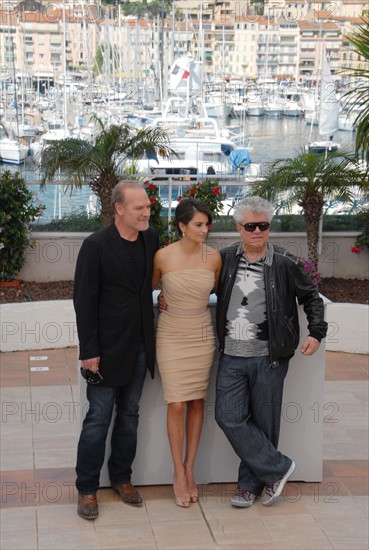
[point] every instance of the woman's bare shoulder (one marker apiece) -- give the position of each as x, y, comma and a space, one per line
212, 254
163, 254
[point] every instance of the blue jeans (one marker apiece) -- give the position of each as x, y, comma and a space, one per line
91, 446
248, 409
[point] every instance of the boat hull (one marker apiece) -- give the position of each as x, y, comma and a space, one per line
320, 147
13, 152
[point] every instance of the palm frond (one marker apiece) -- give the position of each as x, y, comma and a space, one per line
358, 96
69, 155
100, 164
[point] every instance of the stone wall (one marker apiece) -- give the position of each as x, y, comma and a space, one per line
54, 256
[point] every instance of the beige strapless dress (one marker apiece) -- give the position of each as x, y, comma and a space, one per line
185, 336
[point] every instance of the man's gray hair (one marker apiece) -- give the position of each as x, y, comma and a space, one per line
254, 204
118, 195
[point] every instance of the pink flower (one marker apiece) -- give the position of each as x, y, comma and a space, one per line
179, 198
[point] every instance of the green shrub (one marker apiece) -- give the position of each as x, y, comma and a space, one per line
73, 222
19, 206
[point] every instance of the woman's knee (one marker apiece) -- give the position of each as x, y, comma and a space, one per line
176, 408
196, 405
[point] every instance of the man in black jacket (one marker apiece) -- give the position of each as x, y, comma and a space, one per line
115, 323
258, 333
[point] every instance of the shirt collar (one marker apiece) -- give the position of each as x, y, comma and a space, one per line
267, 259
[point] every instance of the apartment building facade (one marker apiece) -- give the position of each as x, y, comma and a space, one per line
232, 38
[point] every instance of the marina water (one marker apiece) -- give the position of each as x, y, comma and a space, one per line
269, 139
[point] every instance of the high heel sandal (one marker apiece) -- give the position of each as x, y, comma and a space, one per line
181, 500
194, 495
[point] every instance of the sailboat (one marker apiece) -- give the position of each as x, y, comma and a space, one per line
328, 113
12, 150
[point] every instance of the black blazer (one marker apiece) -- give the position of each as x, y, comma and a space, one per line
110, 308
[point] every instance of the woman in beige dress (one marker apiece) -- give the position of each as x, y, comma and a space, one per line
188, 271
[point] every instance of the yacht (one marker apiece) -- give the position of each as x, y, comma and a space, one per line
53, 134
12, 151
292, 108
202, 151
255, 105
274, 107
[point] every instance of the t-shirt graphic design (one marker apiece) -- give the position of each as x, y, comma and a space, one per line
246, 325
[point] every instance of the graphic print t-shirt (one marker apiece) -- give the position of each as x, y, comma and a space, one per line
246, 324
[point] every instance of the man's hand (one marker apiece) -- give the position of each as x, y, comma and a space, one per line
309, 346
91, 364
161, 302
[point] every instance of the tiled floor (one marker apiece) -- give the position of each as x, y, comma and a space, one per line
38, 502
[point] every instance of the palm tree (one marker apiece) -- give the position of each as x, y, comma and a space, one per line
359, 95
309, 180
102, 163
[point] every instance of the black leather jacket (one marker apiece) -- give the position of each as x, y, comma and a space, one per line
285, 281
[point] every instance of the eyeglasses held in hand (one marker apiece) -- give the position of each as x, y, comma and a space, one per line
91, 377
251, 226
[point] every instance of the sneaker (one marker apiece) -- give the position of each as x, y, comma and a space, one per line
243, 499
273, 491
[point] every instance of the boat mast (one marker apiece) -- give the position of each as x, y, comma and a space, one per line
64, 68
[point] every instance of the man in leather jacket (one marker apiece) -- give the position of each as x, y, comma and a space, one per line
258, 332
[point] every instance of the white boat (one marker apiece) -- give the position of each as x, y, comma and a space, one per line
47, 138
323, 146
239, 108
12, 151
23, 130
202, 151
255, 106
292, 108
328, 114
346, 122
216, 108
311, 118
274, 107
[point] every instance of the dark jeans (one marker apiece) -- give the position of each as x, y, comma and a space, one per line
91, 446
248, 409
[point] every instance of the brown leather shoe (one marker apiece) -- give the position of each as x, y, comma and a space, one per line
87, 506
128, 493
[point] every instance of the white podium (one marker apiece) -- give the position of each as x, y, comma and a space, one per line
301, 435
